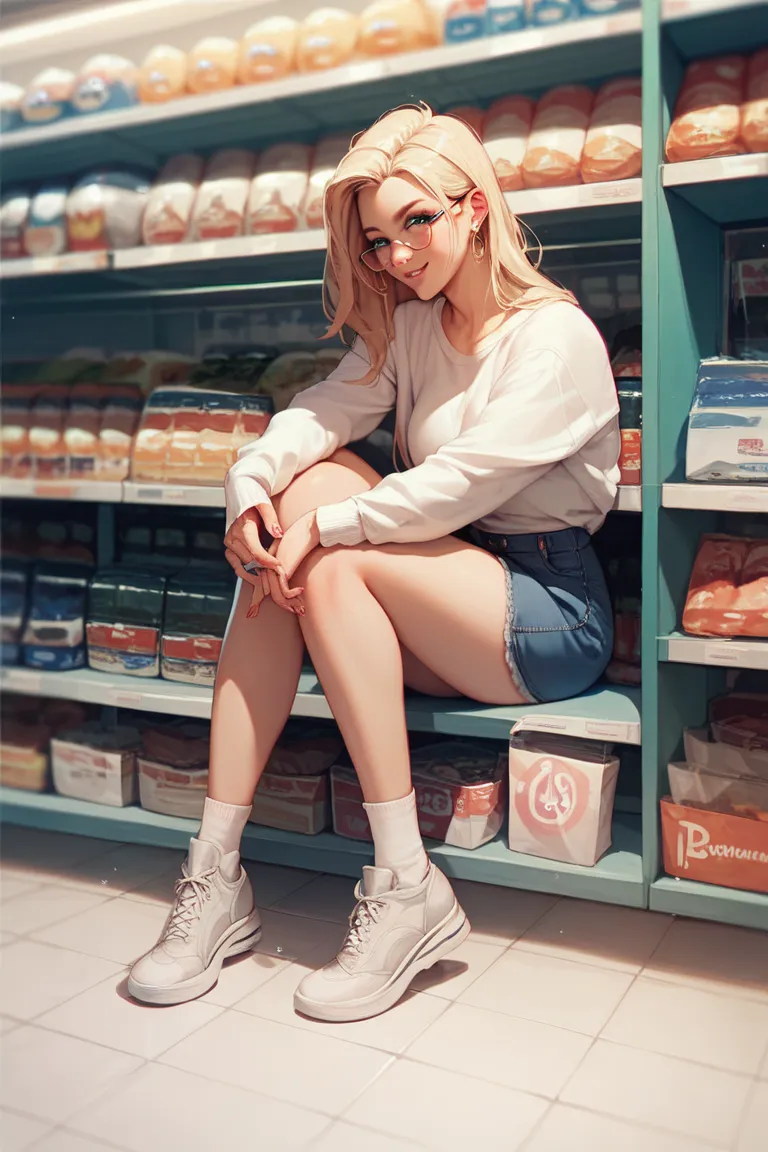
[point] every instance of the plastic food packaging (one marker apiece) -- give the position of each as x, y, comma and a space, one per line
728, 591
11, 97
253, 420
221, 204
105, 210
97, 763
169, 206
119, 421
196, 615
740, 719
724, 759
48, 98
465, 20
714, 848
81, 431
212, 65
329, 153
104, 84
163, 75
46, 432
606, 7
545, 12
505, 16
470, 114
561, 794
17, 401
326, 39
505, 132
613, 149
558, 133
707, 120
631, 429
268, 50
24, 759
754, 111
173, 768
728, 422
14, 591
45, 233
14, 213
54, 637
391, 26
125, 615
691, 784
279, 189
290, 374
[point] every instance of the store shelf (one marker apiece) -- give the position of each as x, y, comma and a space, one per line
727, 189
177, 495
716, 497
629, 499
616, 878
68, 262
705, 27
736, 653
93, 491
709, 902
89, 687
698, 9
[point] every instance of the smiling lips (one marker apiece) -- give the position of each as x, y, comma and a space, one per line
417, 272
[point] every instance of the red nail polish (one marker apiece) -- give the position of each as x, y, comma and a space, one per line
250, 614
277, 532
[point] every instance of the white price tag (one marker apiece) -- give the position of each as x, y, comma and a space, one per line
54, 490
722, 653
749, 498
122, 699
514, 42
175, 496
610, 190
605, 730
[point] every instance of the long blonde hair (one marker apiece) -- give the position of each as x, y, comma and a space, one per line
447, 158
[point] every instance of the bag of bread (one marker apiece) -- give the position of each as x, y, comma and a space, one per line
471, 115
11, 96
613, 149
171, 200
268, 50
506, 128
105, 210
279, 189
391, 26
220, 206
707, 119
556, 142
326, 39
212, 65
104, 84
48, 97
329, 153
754, 111
163, 75
14, 213
45, 233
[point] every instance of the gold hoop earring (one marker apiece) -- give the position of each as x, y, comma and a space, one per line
478, 245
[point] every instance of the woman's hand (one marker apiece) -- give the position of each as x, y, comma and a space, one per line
275, 584
301, 538
243, 545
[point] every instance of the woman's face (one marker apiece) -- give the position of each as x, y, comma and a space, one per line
396, 210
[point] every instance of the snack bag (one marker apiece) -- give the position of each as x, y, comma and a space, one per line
268, 50
163, 75
557, 138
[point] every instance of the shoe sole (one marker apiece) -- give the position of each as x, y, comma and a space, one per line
439, 943
241, 937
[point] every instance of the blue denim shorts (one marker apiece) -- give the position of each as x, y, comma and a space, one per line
559, 624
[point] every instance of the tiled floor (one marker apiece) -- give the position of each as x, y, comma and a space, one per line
559, 1026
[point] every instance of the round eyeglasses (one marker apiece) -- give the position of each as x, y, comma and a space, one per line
416, 235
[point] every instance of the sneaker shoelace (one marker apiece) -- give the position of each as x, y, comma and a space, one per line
367, 912
190, 892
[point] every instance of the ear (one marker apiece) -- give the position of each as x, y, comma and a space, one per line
478, 204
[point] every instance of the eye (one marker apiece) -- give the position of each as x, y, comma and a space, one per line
421, 218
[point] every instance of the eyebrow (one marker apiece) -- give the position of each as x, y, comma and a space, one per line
403, 213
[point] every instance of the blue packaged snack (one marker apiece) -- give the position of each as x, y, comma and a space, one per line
104, 84
607, 7
728, 422
505, 16
464, 20
545, 12
49, 97
54, 636
196, 615
125, 616
14, 586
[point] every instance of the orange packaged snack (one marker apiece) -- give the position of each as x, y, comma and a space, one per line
707, 118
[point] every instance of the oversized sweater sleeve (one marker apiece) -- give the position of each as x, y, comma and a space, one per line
317, 422
536, 416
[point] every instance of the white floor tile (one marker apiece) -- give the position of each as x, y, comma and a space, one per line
241, 976
299, 938
49, 904
515, 1053
11, 886
392, 1031
343, 1137
753, 1131
313, 1071
566, 1129
324, 898
107, 1015
551, 991
442, 1111
126, 868
60, 1140
163, 1108
53, 1076
764, 1069
7, 938
452, 976
32, 846
158, 890
271, 882
600, 934
7, 1024
715, 956
38, 977
119, 930
693, 1024
17, 1133
500, 915
659, 1091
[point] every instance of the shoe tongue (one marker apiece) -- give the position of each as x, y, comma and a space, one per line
202, 856
376, 881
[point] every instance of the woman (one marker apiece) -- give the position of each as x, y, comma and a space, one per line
469, 573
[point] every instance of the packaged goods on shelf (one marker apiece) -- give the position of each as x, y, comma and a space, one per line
232, 369
221, 204
173, 768
28, 724
119, 422
14, 591
754, 110
105, 210
708, 113
465, 20
46, 432
104, 84
606, 7
327, 38
631, 429
16, 409
728, 422
125, 616
212, 65
163, 75
82, 426
294, 790
714, 847
268, 50
724, 758
279, 189
728, 590
693, 786
169, 207
546, 12
45, 231
292, 372
96, 762
561, 794
506, 128
14, 213
470, 114
613, 148
328, 154
54, 636
740, 719
11, 96
557, 138
196, 615
49, 97
388, 27
505, 16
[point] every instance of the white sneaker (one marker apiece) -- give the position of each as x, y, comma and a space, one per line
394, 933
210, 920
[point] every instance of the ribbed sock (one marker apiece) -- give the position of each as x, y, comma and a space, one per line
223, 825
397, 840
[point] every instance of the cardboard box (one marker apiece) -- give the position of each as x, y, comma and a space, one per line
103, 775
172, 791
23, 766
349, 816
690, 784
713, 847
293, 803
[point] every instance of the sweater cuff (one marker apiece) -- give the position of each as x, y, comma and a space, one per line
242, 493
340, 524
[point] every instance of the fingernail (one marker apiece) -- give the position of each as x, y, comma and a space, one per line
276, 531
250, 614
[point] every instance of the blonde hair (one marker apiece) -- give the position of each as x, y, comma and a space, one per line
447, 158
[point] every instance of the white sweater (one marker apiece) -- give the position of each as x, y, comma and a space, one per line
522, 436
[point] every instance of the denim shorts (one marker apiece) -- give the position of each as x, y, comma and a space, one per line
559, 622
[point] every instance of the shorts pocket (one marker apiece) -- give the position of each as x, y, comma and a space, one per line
546, 598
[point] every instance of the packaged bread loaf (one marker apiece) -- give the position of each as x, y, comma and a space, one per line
279, 189
268, 50
212, 65
328, 155
14, 213
613, 149
506, 128
715, 579
45, 233
556, 142
707, 119
390, 26
754, 110
171, 200
163, 75
326, 39
470, 114
105, 210
48, 98
105, 83
11, 96
221, 202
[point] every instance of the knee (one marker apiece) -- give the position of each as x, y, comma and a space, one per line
328, 570
340, 476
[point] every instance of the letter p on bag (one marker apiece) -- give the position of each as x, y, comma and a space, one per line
691, 842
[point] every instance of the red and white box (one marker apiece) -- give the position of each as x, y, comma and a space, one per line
293, 803
172, 791
714, 847
96, 764
349, 816
561, 794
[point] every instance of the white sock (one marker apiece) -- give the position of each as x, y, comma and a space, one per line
397, 840
223, 825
